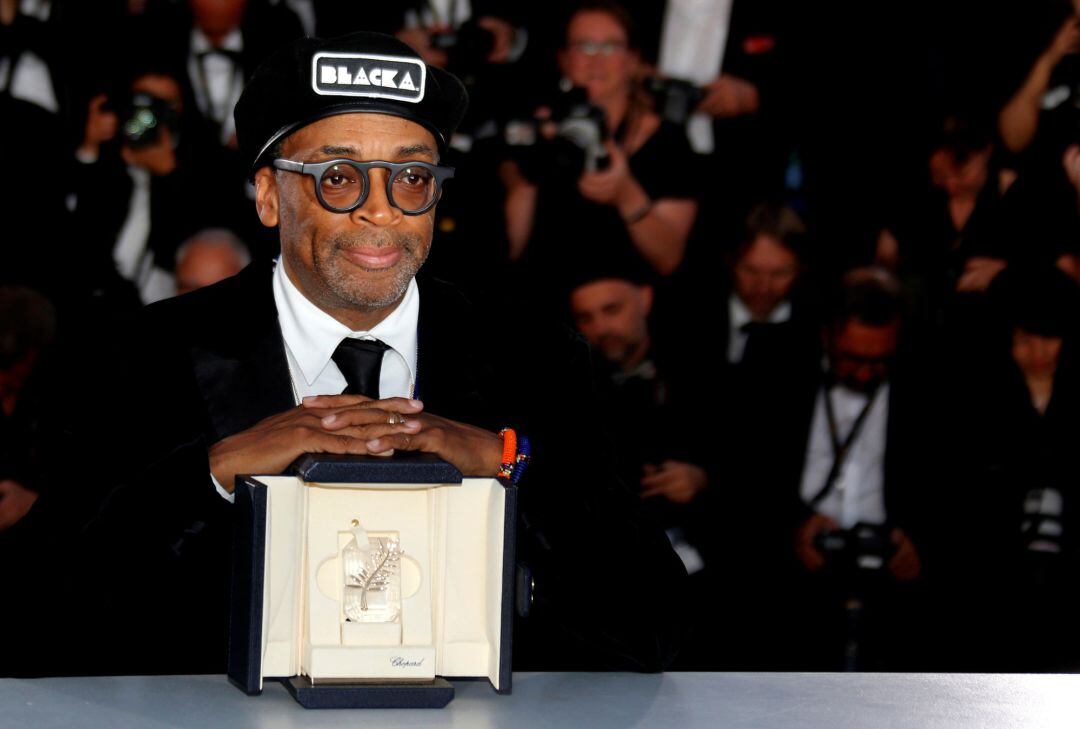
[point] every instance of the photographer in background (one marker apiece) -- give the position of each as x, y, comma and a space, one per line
128, 193
736, 52
856, 439
1044, 102
1040, 125
635, 209
1016, 418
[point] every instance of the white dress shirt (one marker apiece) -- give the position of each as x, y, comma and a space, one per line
692, 45
29, 80
216, 80
311, 336
859, 492
439, 12
738, 316
134, 261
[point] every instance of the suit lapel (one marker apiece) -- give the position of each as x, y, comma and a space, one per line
242, 372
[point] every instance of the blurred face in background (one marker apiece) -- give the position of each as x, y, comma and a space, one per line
1036, 355
959, 177
217, 18
764, 275
597, 56
613, 315
861, 354
205, 263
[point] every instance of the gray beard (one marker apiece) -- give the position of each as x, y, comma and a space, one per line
357, 293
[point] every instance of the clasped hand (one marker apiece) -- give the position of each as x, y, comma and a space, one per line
353, 424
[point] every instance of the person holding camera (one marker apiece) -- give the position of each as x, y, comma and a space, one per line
633, 202
1048, 90
1012, 569
849, 441
125, 192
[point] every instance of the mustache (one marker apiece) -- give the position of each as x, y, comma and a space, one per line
407, 242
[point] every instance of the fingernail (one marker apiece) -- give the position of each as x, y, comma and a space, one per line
416, 404
310, 399
411, 424
329, 420
374, 445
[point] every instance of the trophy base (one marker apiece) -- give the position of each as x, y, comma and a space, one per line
433, 694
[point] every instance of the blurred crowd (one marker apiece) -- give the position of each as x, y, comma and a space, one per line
830, 276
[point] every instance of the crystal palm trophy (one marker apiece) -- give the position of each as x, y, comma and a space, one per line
372, 573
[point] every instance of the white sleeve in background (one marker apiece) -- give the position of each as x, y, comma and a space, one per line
692, 45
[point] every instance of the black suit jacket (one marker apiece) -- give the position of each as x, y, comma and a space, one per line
210, 364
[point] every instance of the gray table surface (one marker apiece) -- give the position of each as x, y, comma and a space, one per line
564, 700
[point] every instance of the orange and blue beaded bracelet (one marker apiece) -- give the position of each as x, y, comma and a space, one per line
517, 452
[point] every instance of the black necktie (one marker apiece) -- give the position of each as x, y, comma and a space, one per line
360, 360
758, 334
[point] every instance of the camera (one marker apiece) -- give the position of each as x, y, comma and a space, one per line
142, 116
674, 99
577, 145
863, 549
1042, 529
467, 48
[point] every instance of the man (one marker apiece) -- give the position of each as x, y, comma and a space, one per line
856, 435
739, 54
644, 389
131, 187
643, 398
207, 257
246, 376
764, 329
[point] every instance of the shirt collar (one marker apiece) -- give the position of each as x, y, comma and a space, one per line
740, 315
312, 335
234, 41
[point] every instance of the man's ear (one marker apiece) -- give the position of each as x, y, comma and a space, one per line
266, 196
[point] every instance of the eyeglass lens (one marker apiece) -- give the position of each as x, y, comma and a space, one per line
412, 188
604, 48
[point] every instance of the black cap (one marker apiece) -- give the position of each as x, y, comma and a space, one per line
313, 78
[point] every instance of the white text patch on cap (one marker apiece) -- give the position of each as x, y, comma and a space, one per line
378, 77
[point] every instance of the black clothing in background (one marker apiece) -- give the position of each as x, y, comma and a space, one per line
102, 193
861, 115
796, 619
1009, 608
751, 152
640, 409
163, 36
571, 234
212, 363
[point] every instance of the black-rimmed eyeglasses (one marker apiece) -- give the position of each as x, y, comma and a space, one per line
342, 185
